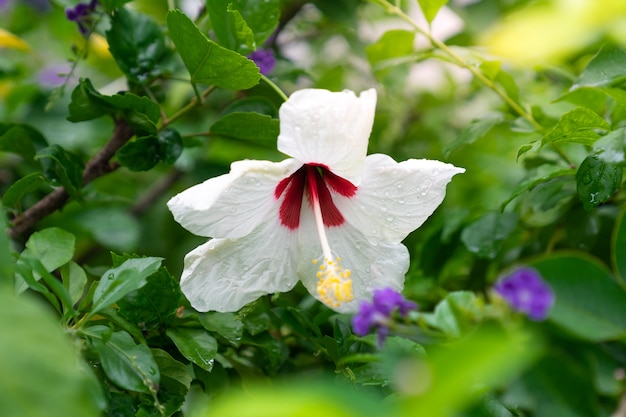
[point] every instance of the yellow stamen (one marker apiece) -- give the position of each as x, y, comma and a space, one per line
335, 285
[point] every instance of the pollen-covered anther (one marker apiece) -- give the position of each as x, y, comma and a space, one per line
334, 286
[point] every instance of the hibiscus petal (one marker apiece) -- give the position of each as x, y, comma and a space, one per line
233, 204
372, 264
394, 198
226, 274
331, 129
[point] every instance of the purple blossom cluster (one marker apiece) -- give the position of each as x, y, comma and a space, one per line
81, 14
526, 292
264, 59
379, 313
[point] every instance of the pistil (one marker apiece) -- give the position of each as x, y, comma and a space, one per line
334, 286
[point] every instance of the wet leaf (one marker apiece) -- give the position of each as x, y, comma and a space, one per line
597, 181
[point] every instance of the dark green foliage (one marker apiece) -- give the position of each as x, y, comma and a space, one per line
90, 332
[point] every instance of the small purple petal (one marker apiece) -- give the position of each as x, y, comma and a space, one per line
77, 12
379, 313
386, 300
264, 59
52, 75
363, 321
526, 292
381, 335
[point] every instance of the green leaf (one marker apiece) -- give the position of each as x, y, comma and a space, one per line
74, 279
253, 127
252, 104
589, 302
122, 404
392, 44
110, 5
561, 386
243, 34
140, 154
53, 247
274, 352
128, 365
507, 81
175, 376
150, 306
221, 23
548, 201
243, 25
170, 145
112, 227
137, 44
460, 372
225, 324
261, 16
208, 62
117, 282
64, 168
85, 104
597, 181
141, 113
25, 185
197, 345
611, 147
431, 7
476, 130
590, 97
300, 397
605, 69
41, 371
484, 236
21, 139
618, 243
540, 178
580, 125
456, 314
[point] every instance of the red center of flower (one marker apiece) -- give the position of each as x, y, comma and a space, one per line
318, 184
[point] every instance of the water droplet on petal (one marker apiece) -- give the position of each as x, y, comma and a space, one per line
399, 185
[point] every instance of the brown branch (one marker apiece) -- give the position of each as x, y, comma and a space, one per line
98, 166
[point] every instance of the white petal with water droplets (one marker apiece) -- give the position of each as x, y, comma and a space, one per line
226, 274
394, 198
372, 264
233, 204
323, 127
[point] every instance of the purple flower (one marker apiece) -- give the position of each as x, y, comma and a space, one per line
53, 75
526, 292
379, 313
81, 14
264, 59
